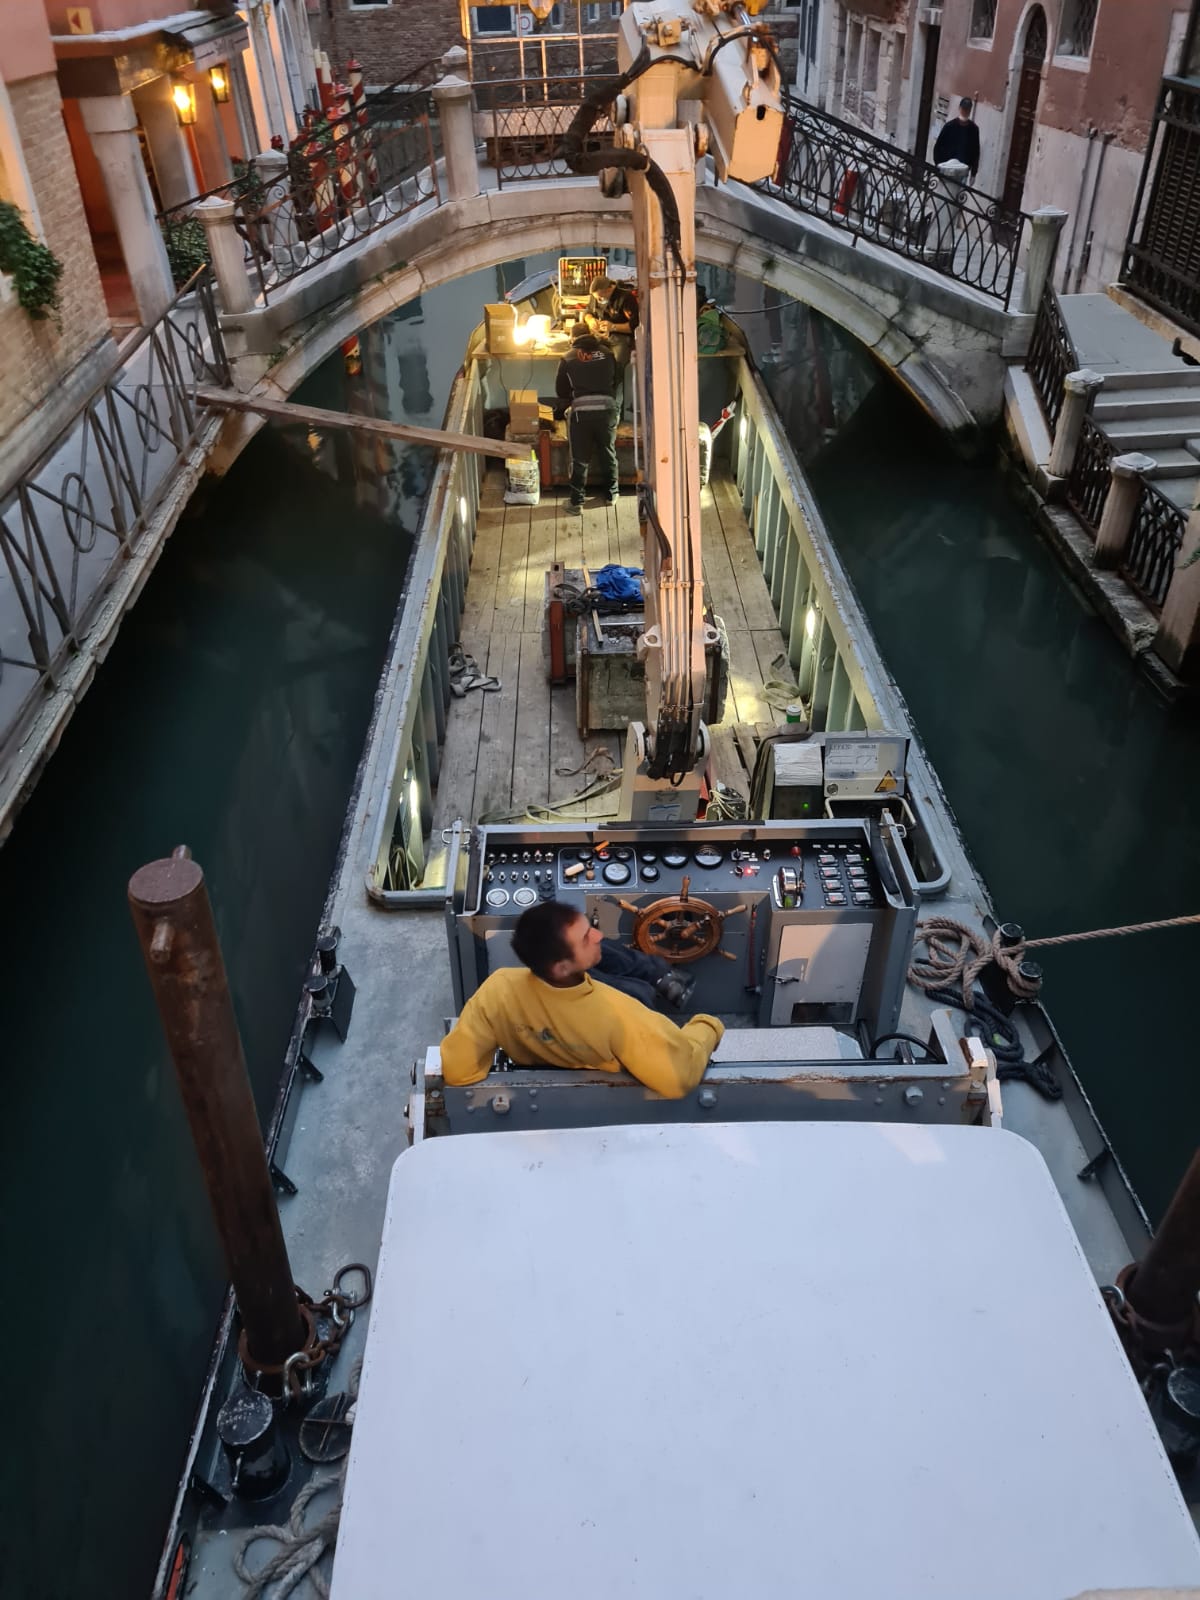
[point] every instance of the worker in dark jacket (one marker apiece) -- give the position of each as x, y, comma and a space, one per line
612, 315
959, 141
584, 387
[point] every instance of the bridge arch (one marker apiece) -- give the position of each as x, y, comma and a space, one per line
942, 342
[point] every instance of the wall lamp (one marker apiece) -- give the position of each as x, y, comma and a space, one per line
218, 78
183, 97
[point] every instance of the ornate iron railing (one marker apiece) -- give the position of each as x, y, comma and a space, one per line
333, 193
1087, 486
1051, 356
1158, 529
860, 183
522, 122
1162, 263
74, 518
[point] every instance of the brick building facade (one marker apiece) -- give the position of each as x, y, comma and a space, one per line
1064, 94
43, 364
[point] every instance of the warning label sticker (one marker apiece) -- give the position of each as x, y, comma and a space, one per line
886, 784
850, 758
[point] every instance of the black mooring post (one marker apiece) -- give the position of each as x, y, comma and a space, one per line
1163, 1287
174, 922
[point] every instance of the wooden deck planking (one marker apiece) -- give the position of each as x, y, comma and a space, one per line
768, 646
497, 731
751, 585
531, 748
503, 750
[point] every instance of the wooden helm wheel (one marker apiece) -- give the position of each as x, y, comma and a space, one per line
678, 929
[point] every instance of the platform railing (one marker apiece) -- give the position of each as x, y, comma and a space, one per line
829, 668
416, 697
859, 183
75, 519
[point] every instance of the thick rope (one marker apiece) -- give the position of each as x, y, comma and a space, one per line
958, 953
300, 1547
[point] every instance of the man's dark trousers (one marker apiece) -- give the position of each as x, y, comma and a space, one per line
631, 971
593, 434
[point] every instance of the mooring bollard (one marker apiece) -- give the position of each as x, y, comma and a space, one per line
174, 921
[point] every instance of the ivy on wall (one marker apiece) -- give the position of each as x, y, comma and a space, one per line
32, 265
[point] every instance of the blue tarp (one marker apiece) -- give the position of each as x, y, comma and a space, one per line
619, 583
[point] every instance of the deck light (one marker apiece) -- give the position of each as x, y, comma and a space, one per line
218, 78
184, 97
462, 509
810, 622
743, 428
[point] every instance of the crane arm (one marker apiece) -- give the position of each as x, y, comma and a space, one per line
693, 79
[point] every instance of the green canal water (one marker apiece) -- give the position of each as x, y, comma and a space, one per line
230, 716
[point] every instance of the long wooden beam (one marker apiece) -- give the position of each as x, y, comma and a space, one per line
317, 417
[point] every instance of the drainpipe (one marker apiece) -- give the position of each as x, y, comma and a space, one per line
1083, 177
1085, 254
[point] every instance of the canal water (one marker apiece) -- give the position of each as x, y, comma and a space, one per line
230, 716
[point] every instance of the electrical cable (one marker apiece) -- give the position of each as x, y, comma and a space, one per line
908, 1038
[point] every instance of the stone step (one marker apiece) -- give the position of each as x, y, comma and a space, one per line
1181, 490
1174, 463
1180, 377
1152, 435
1134, 405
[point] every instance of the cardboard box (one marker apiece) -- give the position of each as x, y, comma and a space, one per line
545, 413
523, 410
499, 329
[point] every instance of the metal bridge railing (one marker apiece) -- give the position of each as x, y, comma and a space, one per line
1158, 529
333, 193
1051, 356
854, 181
1087, 486
521, 122
73, 518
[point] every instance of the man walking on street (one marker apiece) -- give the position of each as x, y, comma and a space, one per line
959, 141
585, 383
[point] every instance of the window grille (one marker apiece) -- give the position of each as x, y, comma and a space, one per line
983, 19
1078, 25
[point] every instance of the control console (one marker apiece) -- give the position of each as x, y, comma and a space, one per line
782, 923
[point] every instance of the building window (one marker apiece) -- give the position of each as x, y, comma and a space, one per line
556, 16
983, 19
493, 19
591, 13
1078, 25
371, 4
616, 8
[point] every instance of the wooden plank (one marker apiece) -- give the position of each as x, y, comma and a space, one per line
752, 586
568, 535
727, 761
531, 750
510, 580
745, 680
720, 580
460, 761
497, 731
476, 627
595, 538
629, 536
747, 740
542, 521
318, 417
566, 747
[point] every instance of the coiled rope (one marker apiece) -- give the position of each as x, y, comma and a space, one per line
301, 1546
957, 954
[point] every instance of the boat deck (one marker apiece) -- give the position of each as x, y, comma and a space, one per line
497, 758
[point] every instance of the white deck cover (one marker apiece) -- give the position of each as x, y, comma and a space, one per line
739, 1362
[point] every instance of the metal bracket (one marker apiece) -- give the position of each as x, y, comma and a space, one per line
200, 1485
281, 1180
1086, 1174
309, 1068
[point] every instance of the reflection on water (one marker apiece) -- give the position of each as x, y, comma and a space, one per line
1074, 784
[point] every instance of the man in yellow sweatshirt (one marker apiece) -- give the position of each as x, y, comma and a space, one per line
555, 1014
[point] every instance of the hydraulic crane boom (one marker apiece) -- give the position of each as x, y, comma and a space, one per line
695, 79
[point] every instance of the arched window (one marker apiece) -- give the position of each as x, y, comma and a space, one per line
1078, 25
983, 19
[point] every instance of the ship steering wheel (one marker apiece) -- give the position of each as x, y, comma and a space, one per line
679, 929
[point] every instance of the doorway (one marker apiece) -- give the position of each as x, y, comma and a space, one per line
931, 37
1029, 85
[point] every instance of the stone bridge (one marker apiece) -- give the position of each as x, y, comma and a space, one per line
948, 344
